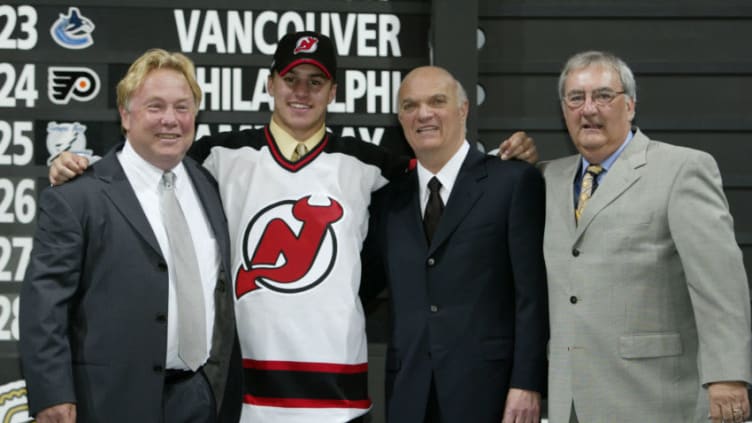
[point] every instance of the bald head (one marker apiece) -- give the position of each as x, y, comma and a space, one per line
432, 111
438, 73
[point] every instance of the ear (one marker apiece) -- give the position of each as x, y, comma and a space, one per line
125, 118
631, 105
399, 117
270, 84
332, 92
464, 109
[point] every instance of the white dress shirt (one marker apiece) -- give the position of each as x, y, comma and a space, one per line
145, 179
447, 176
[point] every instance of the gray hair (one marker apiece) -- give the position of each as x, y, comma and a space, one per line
587, 58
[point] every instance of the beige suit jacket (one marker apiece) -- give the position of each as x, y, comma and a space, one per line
648, 294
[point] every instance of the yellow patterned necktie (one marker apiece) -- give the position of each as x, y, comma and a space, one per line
586, 191
300, 151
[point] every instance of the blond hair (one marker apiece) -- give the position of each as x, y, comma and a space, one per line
152, 60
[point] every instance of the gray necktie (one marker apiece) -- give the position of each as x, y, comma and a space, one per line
188, 288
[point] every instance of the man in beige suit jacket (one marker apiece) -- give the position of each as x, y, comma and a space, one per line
649, 304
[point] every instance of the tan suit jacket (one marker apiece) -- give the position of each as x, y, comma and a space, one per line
648, 294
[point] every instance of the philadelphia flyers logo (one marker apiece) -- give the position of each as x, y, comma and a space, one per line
306, 45
292, 247
66, 83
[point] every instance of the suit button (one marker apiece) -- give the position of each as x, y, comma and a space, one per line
575, 252
431, 261
162, 266
434, 308
573, 299
161, 317
158, 368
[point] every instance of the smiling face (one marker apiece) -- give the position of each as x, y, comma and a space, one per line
432, 113
597, 131
159, 118
300, 99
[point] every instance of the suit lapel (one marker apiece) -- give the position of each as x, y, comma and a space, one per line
211, 202
465, 193
622, 175
406, 209
120, 192
562, 192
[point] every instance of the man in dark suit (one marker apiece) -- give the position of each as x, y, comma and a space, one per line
467, 282
106, 332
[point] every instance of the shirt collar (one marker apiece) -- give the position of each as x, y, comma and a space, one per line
447, 175
144, 174
606, 165
287, 143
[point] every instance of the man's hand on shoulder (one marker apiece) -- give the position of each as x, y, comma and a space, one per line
66, 166
522, 406
519, 146
728, 402
61, 413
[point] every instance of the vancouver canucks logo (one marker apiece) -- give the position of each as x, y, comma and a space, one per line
289, 246
73, 30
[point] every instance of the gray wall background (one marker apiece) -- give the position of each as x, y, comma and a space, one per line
691, 59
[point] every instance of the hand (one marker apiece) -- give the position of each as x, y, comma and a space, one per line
61, 413
519, 146
728, 402
67, 166
522, 406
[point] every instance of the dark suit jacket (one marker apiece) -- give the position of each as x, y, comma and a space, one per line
470, 309
94, 301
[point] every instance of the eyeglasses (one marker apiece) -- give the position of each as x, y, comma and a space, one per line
601, 97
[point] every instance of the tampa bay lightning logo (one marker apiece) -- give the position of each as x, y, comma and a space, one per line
73, 30
66, 136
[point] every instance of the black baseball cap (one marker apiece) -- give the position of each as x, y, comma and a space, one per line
297, 48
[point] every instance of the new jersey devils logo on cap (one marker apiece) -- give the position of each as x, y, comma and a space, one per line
306, 44
296, 247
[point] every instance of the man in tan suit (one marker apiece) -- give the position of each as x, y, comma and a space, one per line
649, 304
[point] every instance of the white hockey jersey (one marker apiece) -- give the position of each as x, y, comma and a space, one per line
296, 231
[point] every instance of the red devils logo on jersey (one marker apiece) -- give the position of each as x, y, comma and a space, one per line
295, 250
306, 45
